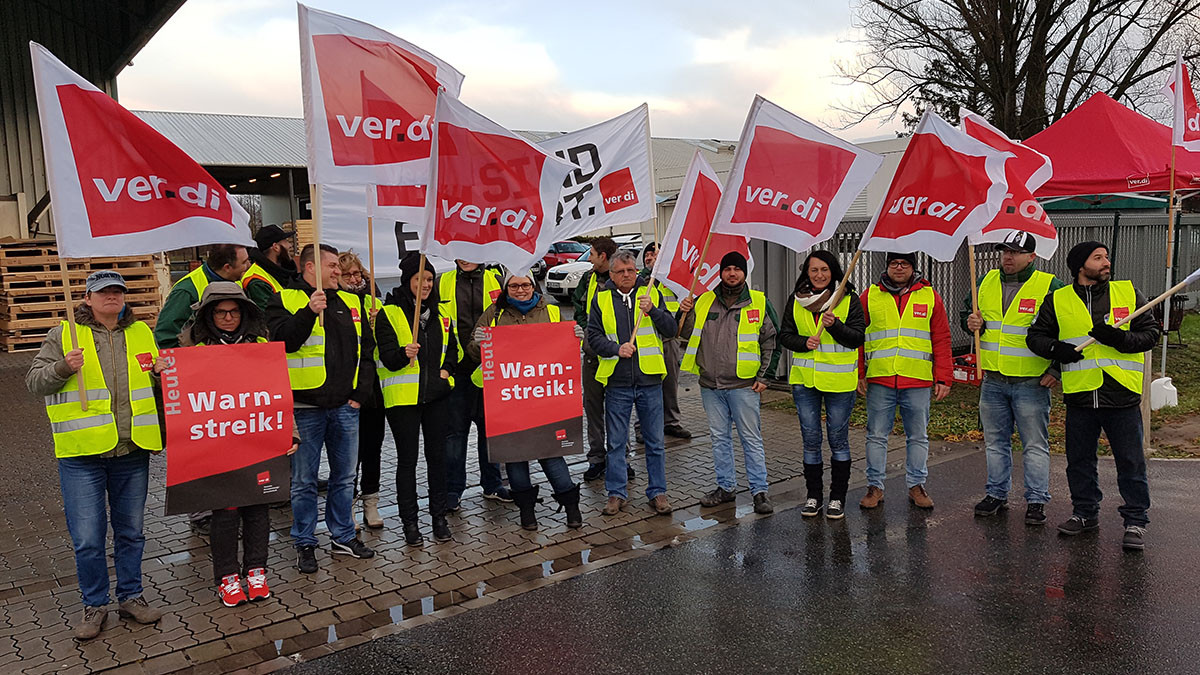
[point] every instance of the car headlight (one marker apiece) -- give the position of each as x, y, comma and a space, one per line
574, 277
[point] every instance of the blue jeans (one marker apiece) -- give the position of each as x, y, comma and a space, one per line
556, 472
619, 403
881, 417
87, 483
335, 429
726, 408
1027, 405
466, 406
838, 406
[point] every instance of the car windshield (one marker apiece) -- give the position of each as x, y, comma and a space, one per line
572, 247
586, 255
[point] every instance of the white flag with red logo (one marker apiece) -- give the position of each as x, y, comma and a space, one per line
1026, 171
611, 183
791, 181
398, 214
947, 187
368, 101
678, 264
1185, 130
492, 194
118, 186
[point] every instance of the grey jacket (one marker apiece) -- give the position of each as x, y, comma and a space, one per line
717, 354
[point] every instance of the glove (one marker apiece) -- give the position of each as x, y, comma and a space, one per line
1107, 335
479, 334
1064, 352
578, 332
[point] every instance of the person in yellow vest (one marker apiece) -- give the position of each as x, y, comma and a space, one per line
1016, 382
906, 363
672, 352
331, 367
271, 266
103, 452
631, 370
225, 262
521, 304
731, 346
416, 372
824, 369
1102, 385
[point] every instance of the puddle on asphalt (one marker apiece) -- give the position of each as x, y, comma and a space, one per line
636, 541
743, 511
427, 605
547, 568
278, 647
584, 556
396, 613
331, 635
698, 523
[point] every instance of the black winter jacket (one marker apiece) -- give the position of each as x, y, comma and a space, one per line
851, 334
391, 352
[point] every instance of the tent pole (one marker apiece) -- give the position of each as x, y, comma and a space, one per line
1170, 258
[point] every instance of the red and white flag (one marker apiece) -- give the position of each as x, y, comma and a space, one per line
492, 194
1026, 171
1185, 130
947, 187
679, 265
791, 181
611, 183
368, 101
118, 186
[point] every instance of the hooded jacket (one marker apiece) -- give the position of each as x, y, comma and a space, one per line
199, 330
432, 386
717, 354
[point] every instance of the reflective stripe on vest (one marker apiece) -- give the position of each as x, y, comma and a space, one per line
900, 345
403, 387
306, 365
1074, 324
257, 271
1002, 340
831, 367
669, 298
647, 341
555, 316
79, 432
749, 354
448, 295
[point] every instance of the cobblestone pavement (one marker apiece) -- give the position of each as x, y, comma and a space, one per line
347, 602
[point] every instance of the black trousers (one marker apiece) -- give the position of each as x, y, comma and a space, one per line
255, 523
1123, 427
593, 410
408, 422
370, 448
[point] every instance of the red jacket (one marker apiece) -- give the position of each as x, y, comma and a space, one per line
939, 327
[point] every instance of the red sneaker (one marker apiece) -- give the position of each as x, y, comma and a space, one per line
230, 591
256, 581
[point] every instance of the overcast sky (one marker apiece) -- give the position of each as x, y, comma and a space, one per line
531, 65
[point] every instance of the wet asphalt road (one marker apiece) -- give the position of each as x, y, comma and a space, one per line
891, 591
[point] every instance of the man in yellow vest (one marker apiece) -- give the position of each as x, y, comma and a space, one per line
225, 262
731, 346
1016, 382
631, 369
271, 266
104, 451
1102, 385
331, 363
672, 424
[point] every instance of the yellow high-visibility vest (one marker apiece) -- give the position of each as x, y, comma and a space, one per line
647, 340
1002, 340
750, 321
830, 367
306, 365
403, 387
257, 271
1074, 324
900, 345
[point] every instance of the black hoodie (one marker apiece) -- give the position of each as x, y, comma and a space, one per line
391, 352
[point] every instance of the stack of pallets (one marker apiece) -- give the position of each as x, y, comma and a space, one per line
31, 293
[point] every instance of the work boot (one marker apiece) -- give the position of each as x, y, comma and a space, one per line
990, 506
139, 610
371, 517
661, 506
614, 506
569, 501
813, 473
839, 480
527, 501
90, 622
412, 532
441, 530
717, 497
872, 499
762, 504
919, 497
595, 471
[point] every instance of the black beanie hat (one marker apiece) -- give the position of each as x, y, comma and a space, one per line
735, 259
910, 257
1079, 254
409, 266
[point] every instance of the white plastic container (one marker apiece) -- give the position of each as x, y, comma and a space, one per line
1163, 394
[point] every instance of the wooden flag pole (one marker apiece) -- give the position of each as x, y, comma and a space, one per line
653, 281
314, 192
66, 282
417, 306
1170, 259
371, 263
696, 275
975, 308
1141, 310
841, 290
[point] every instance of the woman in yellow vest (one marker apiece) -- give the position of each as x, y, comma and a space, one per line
824, 368
520, 303
415, 376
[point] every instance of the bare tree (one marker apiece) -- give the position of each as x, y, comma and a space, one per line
253, 206
1021, 63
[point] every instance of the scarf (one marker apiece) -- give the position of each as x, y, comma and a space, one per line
526, 305
896, 289
813, 301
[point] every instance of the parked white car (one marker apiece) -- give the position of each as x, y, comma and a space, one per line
561, 280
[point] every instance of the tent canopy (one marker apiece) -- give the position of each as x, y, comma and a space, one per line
1104, 147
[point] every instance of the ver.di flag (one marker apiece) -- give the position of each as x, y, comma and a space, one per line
1026, 171
611, 183
398, 216
119, 187
492, 194
678, 264
1185, 127
369, 99
791, 182
947, 187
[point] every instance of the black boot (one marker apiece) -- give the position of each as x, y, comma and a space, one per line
812, 481
526, 500
839, 479
441, 531
412, 532
569, 500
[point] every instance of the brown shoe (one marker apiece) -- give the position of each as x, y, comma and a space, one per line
661, 506
90, 623
872, 499
139, 610
614, 506
919, 497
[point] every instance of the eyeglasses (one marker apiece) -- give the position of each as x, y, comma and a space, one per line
355, 273
899, 264
227, 313
520, 287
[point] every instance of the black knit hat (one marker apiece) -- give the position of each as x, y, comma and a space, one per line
409, 266
1080, 253
735, 259
910, 257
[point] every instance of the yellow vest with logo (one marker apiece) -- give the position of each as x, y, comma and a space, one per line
79, 432
306, 365
448, 285
749, 356
257, 271
1002, 340
403, 387
900, 345
1074, 324
647, 341
477, 375
830, 367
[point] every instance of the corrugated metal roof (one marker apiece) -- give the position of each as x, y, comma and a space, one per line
233, 140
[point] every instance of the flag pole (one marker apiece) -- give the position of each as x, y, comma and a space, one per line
417, 306
66, 282
1170, 257
1141, 310
841, 290
371, 198
657, 241
314, 192
975, 308
695, 275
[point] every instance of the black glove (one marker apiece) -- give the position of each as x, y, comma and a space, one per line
1064, 352
1107, 335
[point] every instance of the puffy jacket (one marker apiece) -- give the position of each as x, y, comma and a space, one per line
177, 309
939, 328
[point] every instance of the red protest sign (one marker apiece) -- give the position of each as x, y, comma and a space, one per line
228, 410
533, 398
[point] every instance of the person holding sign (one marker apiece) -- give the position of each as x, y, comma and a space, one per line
415, 373
1102, 385
103, 450
824, 369
518, 304
225, 316
631, 370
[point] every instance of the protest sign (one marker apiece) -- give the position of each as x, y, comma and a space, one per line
228, 410
532, 397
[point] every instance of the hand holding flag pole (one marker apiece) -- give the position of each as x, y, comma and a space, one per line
1147, 307
841, 290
